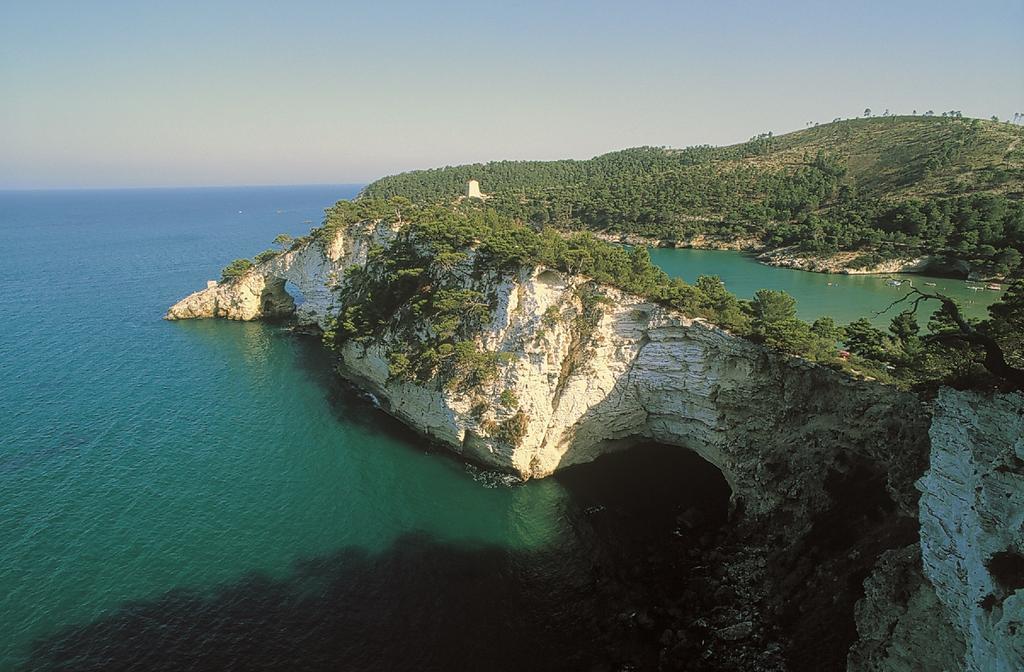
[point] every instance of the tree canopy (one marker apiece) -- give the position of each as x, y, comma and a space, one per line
935, 185
416, 283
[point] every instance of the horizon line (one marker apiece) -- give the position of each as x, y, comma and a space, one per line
808, 126
10, 190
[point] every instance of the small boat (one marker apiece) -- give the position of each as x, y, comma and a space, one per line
894, 283
995, 286
930, 284
975, 289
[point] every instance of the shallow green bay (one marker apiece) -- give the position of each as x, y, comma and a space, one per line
844, 297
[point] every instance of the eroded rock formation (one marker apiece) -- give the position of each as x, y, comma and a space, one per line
801, 446
775, 425
314, 267
972, 523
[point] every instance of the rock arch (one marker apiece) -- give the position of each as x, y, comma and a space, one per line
315, 267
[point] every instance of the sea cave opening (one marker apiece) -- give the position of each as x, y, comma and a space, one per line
279, 299
658, 518
654, 492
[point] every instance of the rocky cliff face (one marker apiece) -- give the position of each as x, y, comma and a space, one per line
972, 524
315, 268
902, 625
776, 426
591, 370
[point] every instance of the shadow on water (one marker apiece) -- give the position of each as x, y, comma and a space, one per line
423, 604
427, 604
419, 605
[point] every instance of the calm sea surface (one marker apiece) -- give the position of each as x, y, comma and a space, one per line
844, 297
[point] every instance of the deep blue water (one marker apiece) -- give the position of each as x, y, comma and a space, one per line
207, 495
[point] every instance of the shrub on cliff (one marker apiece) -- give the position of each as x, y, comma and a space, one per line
468, 367
235, 269
513, 429
265, 255
508, 399
775, 322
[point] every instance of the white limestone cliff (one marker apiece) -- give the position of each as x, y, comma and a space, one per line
314, 267
972, 523
779, 428
775, 425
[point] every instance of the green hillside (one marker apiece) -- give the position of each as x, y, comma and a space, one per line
890, 186
915, 156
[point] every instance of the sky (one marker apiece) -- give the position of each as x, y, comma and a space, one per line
106, 94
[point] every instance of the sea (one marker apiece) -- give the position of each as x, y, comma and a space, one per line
209, 495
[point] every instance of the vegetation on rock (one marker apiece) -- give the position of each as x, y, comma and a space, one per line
885, 187
240, 267
235, 269
508, 399
418, 283
265, 255
513, 429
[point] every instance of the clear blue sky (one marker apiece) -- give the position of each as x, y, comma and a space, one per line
105, 94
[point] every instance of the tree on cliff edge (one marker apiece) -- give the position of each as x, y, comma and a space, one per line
957, 345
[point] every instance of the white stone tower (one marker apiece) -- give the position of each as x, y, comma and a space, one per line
473, 190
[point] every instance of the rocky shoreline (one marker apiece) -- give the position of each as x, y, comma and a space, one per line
842, 263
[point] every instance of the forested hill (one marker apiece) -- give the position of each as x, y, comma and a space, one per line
888, 186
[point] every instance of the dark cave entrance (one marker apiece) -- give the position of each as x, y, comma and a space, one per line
658, 517
279, 300
657, 490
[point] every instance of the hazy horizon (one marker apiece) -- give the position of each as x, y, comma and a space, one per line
173, 187
116, 95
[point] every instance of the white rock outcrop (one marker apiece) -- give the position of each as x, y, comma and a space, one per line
314, 267
842, 262
972, 523
775, 425
779, 428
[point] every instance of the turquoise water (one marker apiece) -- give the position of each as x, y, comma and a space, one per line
844, 297
174, 492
